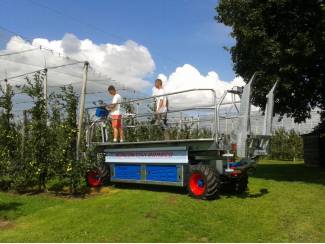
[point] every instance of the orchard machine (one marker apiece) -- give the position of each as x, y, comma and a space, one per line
205, 163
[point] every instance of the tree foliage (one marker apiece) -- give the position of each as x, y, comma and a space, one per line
39, 139
63, 124
9, 137
286, 145
282, 40
40, 152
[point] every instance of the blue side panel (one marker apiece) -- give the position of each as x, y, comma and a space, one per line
162, 173
127, 172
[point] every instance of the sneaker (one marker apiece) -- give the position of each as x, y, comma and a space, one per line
121, 141
115, 140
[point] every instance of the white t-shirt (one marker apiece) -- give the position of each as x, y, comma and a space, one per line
160, 92
116, 99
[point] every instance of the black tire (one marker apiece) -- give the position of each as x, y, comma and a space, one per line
241, 185
208, 178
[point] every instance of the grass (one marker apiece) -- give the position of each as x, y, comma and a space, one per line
285, 203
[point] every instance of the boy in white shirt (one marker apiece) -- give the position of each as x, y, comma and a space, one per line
115, 112
160, 103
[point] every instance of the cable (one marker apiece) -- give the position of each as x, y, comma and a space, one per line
51, 51
28, 73
38, 46
21, 75
18, 52
53, 67
15, 103
41, 48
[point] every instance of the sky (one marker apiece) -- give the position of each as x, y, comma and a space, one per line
131, 41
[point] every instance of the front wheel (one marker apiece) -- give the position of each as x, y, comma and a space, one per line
204, 182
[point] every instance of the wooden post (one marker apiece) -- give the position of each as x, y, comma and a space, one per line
82, 107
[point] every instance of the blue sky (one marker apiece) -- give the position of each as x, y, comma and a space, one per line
176, 32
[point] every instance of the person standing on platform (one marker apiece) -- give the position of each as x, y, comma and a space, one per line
115, 112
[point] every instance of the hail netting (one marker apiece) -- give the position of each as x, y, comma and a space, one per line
21, 59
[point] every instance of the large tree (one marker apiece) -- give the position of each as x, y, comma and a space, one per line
282, 40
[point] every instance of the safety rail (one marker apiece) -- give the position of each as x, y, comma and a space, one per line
214, 107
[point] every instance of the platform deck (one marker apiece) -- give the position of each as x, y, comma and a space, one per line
192, 144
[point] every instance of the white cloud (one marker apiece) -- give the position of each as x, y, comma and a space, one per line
129, 63
188, 77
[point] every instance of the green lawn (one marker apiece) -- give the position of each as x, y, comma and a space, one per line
285, 203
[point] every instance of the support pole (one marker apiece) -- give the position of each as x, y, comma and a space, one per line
6, 85
45, 88
23, 135
5, 93
226, 121
82, 107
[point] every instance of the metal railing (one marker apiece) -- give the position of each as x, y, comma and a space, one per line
214, 107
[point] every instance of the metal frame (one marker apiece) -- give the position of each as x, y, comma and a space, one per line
215, 108
215, 135
217, 142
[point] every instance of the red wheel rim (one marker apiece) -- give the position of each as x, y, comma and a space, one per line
94, 179
197, 184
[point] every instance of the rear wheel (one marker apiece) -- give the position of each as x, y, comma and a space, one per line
204, 182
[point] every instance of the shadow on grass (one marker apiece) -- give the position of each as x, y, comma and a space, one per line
156, 188
245, 194
9, 206
290, 172
183, 190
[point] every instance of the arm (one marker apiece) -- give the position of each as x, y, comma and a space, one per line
110, 106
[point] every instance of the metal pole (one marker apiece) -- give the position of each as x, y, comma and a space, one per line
265, 121
6, 85
198, 125
82, 107
217, 119
216, 116
45, 87
226, 126
5, 93
23, 135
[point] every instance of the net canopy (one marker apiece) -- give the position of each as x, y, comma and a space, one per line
21, 59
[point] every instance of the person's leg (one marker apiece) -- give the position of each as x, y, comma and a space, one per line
121, 134
119, 126
165, 127
115, 131
157, 118
115, 127
164, 119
